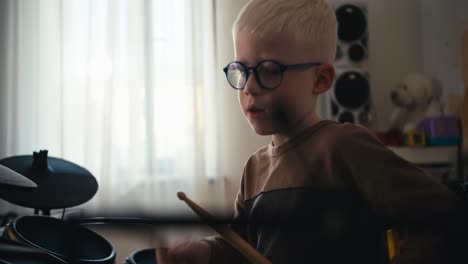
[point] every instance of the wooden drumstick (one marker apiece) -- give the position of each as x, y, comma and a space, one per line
162, 255
228, 234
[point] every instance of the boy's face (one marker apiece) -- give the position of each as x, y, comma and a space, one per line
290, 106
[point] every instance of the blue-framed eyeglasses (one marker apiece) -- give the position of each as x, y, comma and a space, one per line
268, 73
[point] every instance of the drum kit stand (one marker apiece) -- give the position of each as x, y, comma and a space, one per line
46, 183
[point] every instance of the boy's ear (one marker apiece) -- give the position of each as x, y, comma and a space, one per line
325, 76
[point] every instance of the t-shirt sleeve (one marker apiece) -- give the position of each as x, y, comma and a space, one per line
395, 188
402, 195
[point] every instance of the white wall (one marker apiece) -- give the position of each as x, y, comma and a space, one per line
395, 50
409, 36
440, 21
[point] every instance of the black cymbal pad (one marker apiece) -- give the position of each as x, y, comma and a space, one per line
60, 183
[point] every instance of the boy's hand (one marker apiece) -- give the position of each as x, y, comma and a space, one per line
190, 252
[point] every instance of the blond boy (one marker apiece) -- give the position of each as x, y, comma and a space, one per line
320, 192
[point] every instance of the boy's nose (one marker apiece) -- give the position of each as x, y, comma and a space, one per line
252, 86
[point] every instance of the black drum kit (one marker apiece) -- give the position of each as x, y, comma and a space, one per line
44, 184
143, 256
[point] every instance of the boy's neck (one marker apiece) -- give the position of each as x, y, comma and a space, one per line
283, 137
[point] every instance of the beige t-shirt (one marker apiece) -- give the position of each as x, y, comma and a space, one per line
328, 195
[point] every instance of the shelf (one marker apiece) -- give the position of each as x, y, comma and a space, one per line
428, 155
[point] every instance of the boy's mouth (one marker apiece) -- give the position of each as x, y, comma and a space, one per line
255, 111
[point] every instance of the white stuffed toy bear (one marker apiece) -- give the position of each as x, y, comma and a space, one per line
416, 98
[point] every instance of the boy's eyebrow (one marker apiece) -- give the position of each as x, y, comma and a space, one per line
248, 59
258, 58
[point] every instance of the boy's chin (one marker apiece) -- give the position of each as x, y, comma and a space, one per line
262, 131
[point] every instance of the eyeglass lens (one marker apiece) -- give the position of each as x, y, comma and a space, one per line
268, 74
236, 75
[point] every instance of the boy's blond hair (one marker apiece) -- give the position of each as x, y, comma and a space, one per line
309, 21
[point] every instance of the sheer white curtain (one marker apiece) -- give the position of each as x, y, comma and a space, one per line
124, 88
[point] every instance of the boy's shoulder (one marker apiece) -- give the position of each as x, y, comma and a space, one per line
349, 135
346, 131
332, 133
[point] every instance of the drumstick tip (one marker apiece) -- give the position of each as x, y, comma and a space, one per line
181, 196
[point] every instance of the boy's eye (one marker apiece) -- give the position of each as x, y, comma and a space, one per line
269, 68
